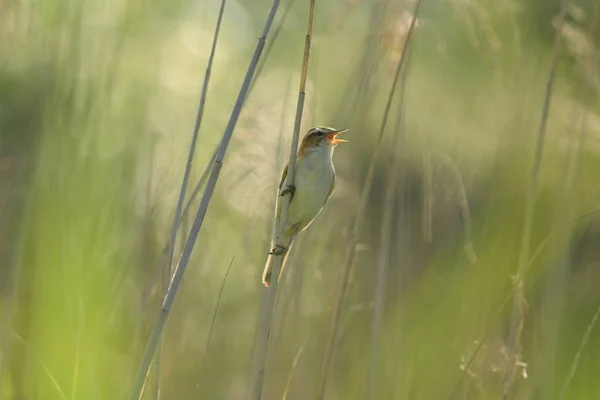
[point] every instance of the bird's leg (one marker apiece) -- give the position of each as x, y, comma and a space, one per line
291, 189
278, 250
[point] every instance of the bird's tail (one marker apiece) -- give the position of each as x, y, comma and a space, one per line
266, 278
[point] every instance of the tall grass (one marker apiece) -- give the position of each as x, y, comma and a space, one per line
518, 317
156, 334
268, 306
457, 217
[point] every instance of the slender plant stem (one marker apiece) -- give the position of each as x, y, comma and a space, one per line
192, 149
348, 266
167, 250
584, 341
272, 42
271, 223
280, 160
428, 198
267, 309
464, 207
403, 234
212, 327
164, 253
488, 329
144, 259
358, 92
13, 288
198, 186
289, 379
384, 252
202, 208
553, 304
184, 184
186, 177
586, 336
517, 313
42, 366
157, 369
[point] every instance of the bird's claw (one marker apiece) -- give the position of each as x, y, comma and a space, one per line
278, 250
289, 189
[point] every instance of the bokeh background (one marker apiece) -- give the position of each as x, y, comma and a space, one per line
97, 106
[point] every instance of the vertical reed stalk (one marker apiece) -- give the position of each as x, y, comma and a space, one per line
184, 184
268, 306
289, 379
192, 149
581, 138
157, 331
489, 327
10, 302
211, 329
516, 323
349, 264
584, 340
384, 249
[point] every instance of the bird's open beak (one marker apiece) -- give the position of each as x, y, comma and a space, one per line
333, 136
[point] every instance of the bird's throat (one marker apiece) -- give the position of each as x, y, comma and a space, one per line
316, 152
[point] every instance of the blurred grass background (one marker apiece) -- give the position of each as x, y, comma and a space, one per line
97, 105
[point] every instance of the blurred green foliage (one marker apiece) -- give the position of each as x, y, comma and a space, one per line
97, 104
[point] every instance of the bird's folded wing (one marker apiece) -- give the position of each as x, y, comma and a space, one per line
283, 176
278, 199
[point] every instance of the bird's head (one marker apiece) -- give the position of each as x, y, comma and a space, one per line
323, 137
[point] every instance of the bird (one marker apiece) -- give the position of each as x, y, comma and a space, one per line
313, 184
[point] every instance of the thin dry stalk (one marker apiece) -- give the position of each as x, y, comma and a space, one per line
61, 394
192, 149
384, 251
163, 261
212, 327
517, 318
202, 208
554, 302
268, 306
584, 341
464, 207
280, 160
10, 301
349, 265
177, 218
428, 199
198, 186
157, 369
165, 251
144, 259
289, 303
289, 379
586, 336
146, 233
494, 318
358, 92
272, 42
271, 223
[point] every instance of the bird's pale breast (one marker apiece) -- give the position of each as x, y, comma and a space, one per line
313, 180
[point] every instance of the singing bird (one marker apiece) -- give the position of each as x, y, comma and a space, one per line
313, 184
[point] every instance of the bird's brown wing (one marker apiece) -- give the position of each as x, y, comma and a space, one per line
283, 176
278, 199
